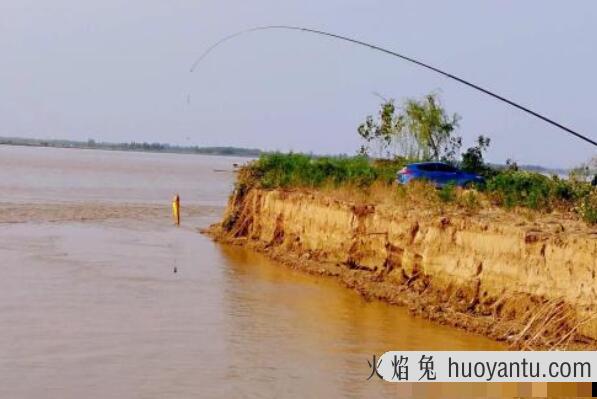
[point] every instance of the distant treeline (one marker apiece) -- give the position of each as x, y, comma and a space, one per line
132, 146
175, 149
536, 168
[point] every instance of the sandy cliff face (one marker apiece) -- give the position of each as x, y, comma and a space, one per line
524, 282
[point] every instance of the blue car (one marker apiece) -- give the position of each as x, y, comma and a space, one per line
438, 173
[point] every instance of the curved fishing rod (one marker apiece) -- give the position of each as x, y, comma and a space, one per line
409, 59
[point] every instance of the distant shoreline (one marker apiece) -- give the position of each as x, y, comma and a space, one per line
176, 149
132, 146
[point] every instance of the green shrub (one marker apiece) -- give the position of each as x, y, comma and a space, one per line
386, 169
570, 190
519, 188
299, 170
447, 193
587, 207
532, 190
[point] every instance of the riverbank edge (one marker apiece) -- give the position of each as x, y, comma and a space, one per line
258, 219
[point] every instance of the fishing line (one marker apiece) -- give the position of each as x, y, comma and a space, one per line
395, 54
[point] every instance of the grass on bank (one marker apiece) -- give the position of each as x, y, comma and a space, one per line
375, 178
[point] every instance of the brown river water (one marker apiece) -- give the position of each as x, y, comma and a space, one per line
90, 306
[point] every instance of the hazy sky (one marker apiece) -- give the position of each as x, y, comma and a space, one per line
118, 70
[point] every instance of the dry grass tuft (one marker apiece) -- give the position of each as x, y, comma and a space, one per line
553, 325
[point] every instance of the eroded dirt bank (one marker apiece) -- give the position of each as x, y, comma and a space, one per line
532, 284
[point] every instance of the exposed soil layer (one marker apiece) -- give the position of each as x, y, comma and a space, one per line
532, 284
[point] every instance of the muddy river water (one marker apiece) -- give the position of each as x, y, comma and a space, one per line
90, 306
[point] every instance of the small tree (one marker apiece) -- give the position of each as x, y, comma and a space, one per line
382, 133
511, 165
593, 164
472, 159
428, 122
421, 130
452, 149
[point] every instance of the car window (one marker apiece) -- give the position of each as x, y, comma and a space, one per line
441, 167
427, 167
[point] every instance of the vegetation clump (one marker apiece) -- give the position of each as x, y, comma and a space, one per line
533, 190
299, 170
419, 129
